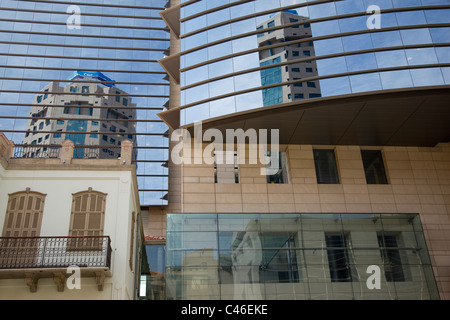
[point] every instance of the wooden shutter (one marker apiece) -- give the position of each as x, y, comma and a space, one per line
23, 220
24, 214
88, 211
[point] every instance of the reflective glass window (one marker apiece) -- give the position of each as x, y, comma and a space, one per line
357, 42
437, 16
193, 8
350, 6
416, 36
446, 74
196, 93
406, 18
365, 82
443, 54
386, 39
244, 62
322, 10
328, 46
421, 56
270, 252
353, 24
196, 75
374, 167
247, 81
276, 168
220, 68
396, 79
405, 3
222, 106
197, 113
331, 66
325, 28
326, 169
244, 44
219, 50
427, 77
194, 57
383, 4
247, 101
335, 86
440, 34
193, 24
220, 87
242, 9
391, 58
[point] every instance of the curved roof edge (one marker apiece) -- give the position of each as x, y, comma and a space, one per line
402, 117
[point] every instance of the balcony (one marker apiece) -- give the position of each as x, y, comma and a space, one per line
32, 258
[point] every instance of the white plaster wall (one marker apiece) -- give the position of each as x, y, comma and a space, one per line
59, 185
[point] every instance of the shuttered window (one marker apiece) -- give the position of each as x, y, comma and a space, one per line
24, 214
87, 218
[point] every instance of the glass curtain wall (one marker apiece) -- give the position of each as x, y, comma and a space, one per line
297, 256
88, 72
240, 55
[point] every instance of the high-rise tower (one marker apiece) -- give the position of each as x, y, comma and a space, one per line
111, 113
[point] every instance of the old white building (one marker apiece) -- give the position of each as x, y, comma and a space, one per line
68, 226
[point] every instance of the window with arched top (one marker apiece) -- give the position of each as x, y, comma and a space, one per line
21, 229
88, 213
24, 214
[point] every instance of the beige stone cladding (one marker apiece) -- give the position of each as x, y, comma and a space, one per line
418, 182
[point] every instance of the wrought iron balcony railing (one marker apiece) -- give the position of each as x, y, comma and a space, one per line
37, 151
55, 252
54, 151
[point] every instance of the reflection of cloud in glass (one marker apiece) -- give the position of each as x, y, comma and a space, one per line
427, 77
365, 82
248, 101
391, 58
222, 107
396, 79
364, 61
421, 56
335, 86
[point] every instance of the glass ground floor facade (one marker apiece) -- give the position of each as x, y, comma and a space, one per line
291, 256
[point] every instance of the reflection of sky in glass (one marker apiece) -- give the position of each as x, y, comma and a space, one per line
333, 53
116, 46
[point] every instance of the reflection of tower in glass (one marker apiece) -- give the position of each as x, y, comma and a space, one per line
81, 112
278, 54
247, 262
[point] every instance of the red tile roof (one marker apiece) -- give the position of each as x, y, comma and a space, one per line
148, 237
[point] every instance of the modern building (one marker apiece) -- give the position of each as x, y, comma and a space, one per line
110, 111
47, 45
70, 226
359, 207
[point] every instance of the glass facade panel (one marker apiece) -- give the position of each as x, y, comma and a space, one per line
296, 256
